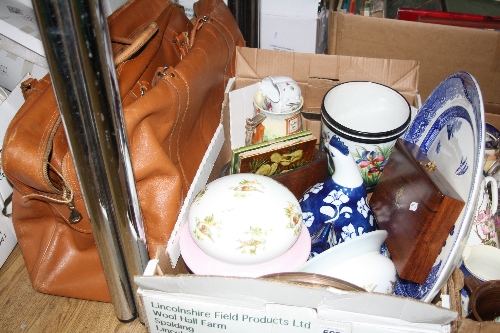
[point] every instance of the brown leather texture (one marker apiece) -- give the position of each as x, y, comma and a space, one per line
172, 89
59, 255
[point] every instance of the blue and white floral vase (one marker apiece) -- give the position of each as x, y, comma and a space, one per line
337, 210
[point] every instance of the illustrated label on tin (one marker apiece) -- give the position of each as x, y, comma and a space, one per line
293, 124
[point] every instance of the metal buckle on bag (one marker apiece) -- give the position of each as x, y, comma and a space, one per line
159, 74
26, 85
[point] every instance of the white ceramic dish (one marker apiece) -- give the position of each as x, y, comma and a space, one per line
245, 219
483, 261
357, 261
201, 263
449, 128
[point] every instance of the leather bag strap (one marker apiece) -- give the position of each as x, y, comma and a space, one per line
134, 45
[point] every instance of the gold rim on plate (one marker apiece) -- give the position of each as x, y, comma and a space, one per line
313, 279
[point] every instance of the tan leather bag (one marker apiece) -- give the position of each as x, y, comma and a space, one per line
171, 73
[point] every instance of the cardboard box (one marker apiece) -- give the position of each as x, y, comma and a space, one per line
441, 50
289, 25
177, 302
188, 303
21, 48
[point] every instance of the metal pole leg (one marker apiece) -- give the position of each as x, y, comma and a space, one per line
78, 48
247, 15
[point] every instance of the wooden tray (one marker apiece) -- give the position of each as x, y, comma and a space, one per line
418, 208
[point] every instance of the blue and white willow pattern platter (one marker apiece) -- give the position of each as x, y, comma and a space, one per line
449, 128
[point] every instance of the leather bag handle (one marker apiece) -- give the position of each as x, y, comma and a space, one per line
134, 44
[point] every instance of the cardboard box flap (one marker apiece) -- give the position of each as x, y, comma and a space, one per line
441, 50
315, 74
200, 180
328, 302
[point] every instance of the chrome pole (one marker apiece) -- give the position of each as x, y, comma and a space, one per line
78, 50
247, 16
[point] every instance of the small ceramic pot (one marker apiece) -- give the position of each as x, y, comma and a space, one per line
368, 117
281, 108
484, 300
357, 261
245, 219
483, 229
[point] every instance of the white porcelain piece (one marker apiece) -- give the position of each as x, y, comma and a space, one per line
450, 129
275, 124
482, 261
280, 94
369, 118
201, 263
483, 229
368, 109
357, 261
356, 137
245, 219
465, 300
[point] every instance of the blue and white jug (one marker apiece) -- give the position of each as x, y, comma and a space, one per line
337, 210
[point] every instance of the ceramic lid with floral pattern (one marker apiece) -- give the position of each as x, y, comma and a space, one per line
245, 219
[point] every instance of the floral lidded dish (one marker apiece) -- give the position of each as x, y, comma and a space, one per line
245, 219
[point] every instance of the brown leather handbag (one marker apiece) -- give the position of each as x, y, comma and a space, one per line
172, 73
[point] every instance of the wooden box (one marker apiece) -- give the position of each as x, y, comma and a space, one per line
418, 208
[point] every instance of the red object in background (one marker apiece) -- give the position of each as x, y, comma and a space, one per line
352, 7
448, 18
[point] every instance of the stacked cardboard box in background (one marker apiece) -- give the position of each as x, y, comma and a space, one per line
289, 25
440, 49
21, 48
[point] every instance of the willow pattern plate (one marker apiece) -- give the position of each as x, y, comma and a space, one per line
449, 128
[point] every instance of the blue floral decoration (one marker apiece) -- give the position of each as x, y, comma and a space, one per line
407, 288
